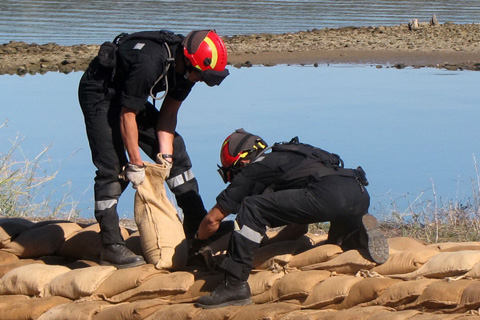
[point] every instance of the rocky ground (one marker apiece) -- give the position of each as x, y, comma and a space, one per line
447, 45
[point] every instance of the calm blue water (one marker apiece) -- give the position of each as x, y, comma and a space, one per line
409, 129
69, 22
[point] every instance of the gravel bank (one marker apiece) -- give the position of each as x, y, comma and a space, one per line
449, 45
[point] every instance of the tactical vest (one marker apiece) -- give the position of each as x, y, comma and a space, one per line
317, 163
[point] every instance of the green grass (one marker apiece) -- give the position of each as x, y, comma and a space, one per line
24, 186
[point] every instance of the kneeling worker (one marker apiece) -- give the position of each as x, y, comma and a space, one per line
295, 183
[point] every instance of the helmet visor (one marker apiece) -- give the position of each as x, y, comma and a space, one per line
213, 77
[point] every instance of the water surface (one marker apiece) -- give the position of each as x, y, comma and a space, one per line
69, 22
412, 130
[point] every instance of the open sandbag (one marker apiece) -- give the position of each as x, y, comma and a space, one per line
330, 291
161, 231
31, 279
31, 308
293, 285
402, 292
76, 310
315, 255
78, 283
41, 241
123, 280
157, 286
85, 243
445, 264
137, 310
349, 262
441, 295
366, 290
12, 227
405, 261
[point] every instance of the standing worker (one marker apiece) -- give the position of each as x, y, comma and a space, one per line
293, 184
114, 96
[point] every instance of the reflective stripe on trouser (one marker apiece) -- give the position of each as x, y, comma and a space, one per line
334, 198
182, 181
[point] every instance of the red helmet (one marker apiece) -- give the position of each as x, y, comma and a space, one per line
238, 145
205, 50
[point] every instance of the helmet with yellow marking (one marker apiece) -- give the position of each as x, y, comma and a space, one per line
207, 53
240, 145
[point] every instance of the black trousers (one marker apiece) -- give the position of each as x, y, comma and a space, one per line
102, 122
340, 200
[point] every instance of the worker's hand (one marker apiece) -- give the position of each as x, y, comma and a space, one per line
133, 173
166, 164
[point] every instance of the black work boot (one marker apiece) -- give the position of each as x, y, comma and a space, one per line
232, 292
118, 255
372, 238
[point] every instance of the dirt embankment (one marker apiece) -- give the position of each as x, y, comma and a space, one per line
447, 45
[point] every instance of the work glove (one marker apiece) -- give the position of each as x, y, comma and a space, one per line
167, 165
133, 173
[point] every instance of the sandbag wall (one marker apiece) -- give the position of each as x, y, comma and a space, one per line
49, 270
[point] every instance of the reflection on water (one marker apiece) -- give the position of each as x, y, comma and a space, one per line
409, 129
79, 21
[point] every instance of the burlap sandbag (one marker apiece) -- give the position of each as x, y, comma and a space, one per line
12, 227
78, 283
31, 279
202, 286
348, 262
293, 285
76, 310
125, 279
470, 299
7, 258
405, 261
161, 231
41, 241
137, 310
318, 254
402, 292
330, 291
445, 264
260, 282
19, 263
366, 290
266, 311
456, 246
31, 308
405, 244
441, 294
279, 253
157, 286
85, 243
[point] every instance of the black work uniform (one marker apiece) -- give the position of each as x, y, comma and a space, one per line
260, 198
140, 63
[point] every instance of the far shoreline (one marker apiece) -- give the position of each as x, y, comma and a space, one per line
449, 46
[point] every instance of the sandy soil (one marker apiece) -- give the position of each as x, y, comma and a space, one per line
448, 45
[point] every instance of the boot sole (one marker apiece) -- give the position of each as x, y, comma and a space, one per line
241, 302
377, 243
123, 266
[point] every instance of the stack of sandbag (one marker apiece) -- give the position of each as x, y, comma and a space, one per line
49, 270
